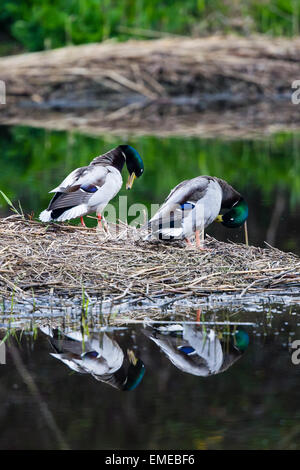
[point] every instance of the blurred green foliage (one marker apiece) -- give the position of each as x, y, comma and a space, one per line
53, 23
35, 160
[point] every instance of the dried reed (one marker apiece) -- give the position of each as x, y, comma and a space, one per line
64, 259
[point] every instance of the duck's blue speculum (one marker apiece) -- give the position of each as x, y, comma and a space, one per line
89, 188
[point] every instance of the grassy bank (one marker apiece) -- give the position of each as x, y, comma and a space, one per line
43, 25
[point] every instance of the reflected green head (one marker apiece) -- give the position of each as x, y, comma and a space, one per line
135, 375
241, 340
236, 216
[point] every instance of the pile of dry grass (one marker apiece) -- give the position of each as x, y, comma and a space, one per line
64, 259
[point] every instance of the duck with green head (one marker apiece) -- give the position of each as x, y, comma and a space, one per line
90, 188
193, 205
98, 355
196, 351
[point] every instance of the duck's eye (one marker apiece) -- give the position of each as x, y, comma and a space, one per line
89, 188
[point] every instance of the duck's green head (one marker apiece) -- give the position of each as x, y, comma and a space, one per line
134, 163
236, 216
241, 340
136, 371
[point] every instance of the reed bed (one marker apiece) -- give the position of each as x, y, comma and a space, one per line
60, 259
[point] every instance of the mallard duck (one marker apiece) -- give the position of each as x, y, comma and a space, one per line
90, 188
101, 357
193, 205
196, 352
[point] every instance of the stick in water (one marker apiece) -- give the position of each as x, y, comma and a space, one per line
246, 234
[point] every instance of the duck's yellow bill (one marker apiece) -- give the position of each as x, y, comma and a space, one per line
131, 357
219, 218
130, 180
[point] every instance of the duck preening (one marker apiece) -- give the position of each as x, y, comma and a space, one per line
193, 205
97, 355
198, 352
90, 188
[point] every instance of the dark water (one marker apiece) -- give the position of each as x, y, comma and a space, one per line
198, 387
266, 171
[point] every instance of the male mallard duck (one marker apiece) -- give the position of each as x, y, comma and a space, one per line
90, 188
194, 204
196, 352
100, 356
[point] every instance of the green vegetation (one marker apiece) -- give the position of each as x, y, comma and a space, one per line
40, 25
35, 160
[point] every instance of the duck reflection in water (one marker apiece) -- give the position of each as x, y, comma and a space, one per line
97, 355
198, 352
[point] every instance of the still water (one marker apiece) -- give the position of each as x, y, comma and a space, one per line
188, 385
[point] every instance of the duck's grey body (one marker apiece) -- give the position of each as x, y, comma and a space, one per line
193, 351
87, 189
97, 355
103, 359
191, 206
108, 357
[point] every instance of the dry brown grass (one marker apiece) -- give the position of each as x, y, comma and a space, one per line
64, 259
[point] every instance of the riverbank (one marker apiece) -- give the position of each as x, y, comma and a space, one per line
219, 85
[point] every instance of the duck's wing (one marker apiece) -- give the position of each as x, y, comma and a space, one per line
190, 350
71, 361
207, 346
92, 174
181, 354
186, 193
182, 210
83, 190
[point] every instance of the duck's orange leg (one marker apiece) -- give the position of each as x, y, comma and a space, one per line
188, 242
82, 221
199, 242
99, 217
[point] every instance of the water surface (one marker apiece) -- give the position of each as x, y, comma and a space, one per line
198, 386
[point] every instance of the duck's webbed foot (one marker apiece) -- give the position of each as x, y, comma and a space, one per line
200, 244
102, 224
188, 243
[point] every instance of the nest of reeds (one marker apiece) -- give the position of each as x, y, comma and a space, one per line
38, 259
